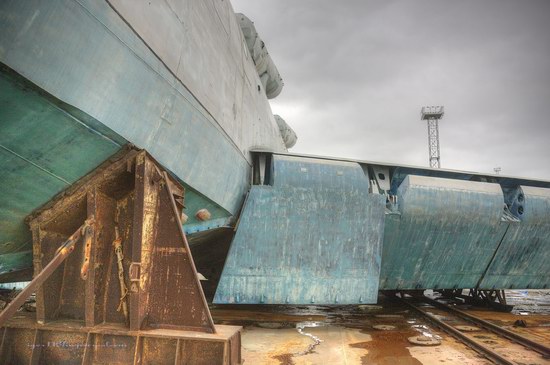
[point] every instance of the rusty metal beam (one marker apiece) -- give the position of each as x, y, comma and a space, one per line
62, 252
136, 238
187, 250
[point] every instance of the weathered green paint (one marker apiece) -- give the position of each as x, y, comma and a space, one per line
194, 201
15, 261
313, 236
442, 230
43, 150
85, 54
45, 146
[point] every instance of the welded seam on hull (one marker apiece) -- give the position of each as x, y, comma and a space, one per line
17, 248
7, 269
10, 73
35, 165
85, 125
492, 258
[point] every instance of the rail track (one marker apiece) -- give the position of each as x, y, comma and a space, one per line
495, 343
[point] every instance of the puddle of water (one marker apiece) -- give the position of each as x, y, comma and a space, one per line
285, 359
425, 331
387, 348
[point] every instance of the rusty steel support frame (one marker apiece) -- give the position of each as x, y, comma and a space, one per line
61, 254
131, 206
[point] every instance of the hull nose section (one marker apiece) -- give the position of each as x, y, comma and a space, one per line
313, 236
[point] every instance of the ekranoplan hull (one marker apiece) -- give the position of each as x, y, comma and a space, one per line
80, 79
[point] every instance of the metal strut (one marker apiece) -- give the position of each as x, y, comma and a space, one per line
134, 258
60, 255
432, 114
433, 143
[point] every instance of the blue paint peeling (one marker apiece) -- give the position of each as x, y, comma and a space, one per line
445, 235
317, 235
522, 258
314, 236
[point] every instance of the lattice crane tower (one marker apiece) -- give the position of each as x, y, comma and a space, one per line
432, 114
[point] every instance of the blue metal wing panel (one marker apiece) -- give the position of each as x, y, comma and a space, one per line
444, 234
522, 260
314, 236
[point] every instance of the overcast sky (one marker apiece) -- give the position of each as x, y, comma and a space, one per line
357, 73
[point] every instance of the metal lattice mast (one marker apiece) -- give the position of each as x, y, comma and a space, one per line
432, 114
433, 143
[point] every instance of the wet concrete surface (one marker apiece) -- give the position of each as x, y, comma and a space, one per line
509, 349
295, 335
378, 334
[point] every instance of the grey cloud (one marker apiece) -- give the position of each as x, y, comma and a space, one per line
357, 72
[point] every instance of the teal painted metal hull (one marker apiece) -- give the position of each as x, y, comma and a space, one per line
448, 231
78, 83
94, 62
43, 150
312, 236
522, 260
315, 234
46, 146
463, 234
80, 79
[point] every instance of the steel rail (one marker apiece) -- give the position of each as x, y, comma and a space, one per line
538, 347
480, 348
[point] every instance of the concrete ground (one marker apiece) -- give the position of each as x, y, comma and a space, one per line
287, 335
